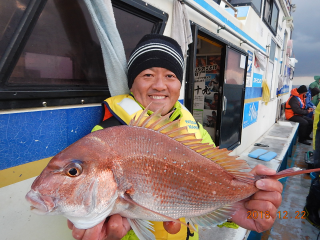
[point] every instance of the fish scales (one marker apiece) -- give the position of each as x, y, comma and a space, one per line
166, 164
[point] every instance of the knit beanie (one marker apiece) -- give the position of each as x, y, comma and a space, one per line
155, 50
314, 91
316, 78
302, 89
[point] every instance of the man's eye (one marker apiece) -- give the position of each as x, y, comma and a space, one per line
148, 75
170, 76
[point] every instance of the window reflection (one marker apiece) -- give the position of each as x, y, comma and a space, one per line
257, 4
63, 48
235, 68
271, 13
131, 29
10, 16
274, 20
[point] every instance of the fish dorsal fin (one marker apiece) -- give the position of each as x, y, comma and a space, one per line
172, 129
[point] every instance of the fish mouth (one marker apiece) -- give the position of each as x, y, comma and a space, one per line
40, 204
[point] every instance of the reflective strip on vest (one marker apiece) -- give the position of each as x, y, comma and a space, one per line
301, 103
129, 105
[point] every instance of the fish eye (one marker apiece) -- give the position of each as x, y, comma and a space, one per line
73, 170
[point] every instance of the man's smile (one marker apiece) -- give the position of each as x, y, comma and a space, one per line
157, 97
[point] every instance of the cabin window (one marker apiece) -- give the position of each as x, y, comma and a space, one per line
11, 13
271, 14
255, 4
272, 50
61, 52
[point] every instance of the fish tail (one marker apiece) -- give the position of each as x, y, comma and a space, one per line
292, 172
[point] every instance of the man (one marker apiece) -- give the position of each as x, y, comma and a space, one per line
155, 72
309, 104
316, 83
295, 111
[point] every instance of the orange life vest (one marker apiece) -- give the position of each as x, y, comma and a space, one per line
288, 110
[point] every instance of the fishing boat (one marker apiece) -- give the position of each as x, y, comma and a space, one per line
54, 74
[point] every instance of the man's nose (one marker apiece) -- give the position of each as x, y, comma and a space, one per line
159, 84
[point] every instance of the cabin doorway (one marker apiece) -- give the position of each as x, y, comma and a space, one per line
216, 86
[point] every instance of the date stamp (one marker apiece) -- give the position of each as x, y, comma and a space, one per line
281, 215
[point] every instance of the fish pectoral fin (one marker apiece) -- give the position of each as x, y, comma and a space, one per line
150, 212
214, 218
142, 228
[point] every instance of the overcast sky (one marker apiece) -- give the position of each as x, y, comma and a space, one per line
306, 37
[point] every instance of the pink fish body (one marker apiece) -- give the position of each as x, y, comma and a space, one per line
150, 170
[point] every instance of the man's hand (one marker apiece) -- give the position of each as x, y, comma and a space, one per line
114, 228
266, 200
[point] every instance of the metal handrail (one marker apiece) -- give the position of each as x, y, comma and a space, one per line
232, 7
220, 25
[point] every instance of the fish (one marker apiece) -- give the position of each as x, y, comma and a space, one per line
149, 170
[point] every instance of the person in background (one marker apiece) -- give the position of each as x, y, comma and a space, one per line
309, 104
295, 111
155, 72
313, 199
214, 103
316, 83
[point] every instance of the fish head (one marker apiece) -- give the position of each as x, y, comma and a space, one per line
76, 182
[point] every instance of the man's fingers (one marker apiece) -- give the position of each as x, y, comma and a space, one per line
263, 224
270, 185
262, 208
262, 212
70, 224
78, 233
274, 197
92, 233
262, 170
114, 228
126, 225
266, 184
117, 227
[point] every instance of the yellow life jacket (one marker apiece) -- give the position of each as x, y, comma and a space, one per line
315, 125
124, 108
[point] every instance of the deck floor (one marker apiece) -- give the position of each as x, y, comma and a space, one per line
294, 196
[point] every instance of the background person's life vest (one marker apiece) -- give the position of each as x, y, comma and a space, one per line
288, 110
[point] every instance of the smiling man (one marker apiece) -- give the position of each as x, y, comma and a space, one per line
155, 72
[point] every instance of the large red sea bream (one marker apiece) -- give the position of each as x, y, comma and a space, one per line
149, 170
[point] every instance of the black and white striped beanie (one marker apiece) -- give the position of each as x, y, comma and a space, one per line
155, 50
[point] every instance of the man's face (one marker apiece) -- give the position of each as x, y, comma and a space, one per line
159, 86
